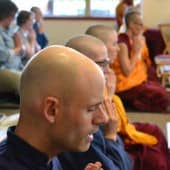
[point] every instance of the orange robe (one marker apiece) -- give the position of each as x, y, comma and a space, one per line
138, 74
134, 79
137, 89
127, 129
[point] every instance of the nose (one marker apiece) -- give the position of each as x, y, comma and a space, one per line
100, 116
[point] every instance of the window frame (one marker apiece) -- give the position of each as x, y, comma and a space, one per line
87, 15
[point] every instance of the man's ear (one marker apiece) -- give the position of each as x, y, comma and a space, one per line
51, 108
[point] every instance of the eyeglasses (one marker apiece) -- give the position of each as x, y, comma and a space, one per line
103, 63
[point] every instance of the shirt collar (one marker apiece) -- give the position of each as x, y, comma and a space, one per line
24, 151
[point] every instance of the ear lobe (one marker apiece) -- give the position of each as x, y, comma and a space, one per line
51, 106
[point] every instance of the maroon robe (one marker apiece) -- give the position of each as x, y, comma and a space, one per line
146, 157
149, 96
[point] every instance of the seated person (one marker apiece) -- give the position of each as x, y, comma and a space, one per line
142, 140
142, 146
137, 84
107, 147
120, 10
54, 117
10, 48
27, 35
39, 28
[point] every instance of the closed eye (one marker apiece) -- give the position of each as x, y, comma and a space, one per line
94, 107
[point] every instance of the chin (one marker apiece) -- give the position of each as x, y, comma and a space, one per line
83, 148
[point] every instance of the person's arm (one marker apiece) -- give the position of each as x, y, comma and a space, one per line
40, 26
5, 51
17, 43
32, 40
32, 45
128, 59
116, 152
40, 34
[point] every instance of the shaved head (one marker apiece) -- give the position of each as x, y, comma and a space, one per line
108, 36
53, 71
61, 92
100, 31
131, 16
88, 45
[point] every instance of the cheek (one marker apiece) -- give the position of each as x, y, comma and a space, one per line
83, 122
78, 134
112, 53
138, 30
79, 123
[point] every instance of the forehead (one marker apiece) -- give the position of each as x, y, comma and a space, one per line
112, 37
38, 11
137, 18
100, 52
90, 90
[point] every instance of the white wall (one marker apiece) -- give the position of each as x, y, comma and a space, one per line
59, 31
156, 12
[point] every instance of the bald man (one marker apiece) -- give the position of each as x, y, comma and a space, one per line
142, 140
61, 93
107, 146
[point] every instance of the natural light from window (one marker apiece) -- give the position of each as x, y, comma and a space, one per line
76, 8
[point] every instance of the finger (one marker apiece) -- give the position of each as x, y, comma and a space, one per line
98, 164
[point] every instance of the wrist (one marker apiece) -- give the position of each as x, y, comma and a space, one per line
111, 137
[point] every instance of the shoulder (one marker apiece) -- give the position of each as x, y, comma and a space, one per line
3, 147
5, 162
122, 36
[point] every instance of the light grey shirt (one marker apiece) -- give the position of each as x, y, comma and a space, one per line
8, 59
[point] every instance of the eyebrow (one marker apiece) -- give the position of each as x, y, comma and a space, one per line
97, 104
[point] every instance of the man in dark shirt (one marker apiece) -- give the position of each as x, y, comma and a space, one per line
17, 154
60, 110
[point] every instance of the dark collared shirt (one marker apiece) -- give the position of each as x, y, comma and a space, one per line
16, 154
110, 153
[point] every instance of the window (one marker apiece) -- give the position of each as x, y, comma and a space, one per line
75, 8
103, 8
69, 8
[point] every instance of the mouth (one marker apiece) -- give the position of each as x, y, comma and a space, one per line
90, 137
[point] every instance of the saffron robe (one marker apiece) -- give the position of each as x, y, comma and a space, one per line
136, 89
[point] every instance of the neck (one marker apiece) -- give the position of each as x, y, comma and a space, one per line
37, 138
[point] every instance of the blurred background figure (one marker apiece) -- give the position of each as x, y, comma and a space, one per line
120, 10
27, 35
39, 28
10, 48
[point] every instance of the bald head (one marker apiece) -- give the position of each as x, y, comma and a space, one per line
100, 31
61, 91
89, 46
54, 71
131, 16
108, 36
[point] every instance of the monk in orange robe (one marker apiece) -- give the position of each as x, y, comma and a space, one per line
136, 82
